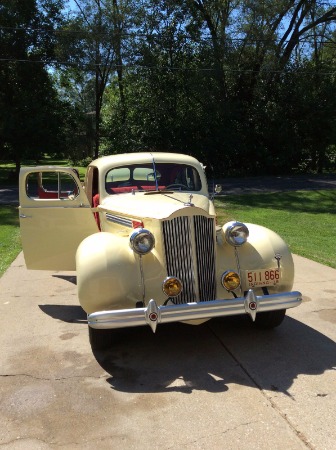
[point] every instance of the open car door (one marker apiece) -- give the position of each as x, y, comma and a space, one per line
55, 216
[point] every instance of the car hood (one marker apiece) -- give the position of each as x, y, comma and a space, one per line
157, 205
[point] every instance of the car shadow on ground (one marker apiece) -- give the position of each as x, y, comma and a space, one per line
66, 313
70, 278
182, 358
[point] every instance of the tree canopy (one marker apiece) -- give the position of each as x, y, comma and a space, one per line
246, 86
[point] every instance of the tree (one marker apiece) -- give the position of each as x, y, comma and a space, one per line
30, 121
94, 43
253, 44
246, 86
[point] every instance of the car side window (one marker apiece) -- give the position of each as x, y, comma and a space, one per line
51, 185
120, 174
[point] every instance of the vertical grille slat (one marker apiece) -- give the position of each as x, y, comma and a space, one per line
205, 252
190, 255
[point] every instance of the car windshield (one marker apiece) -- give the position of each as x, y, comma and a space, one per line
146, 177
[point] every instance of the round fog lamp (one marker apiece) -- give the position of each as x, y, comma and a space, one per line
172, 287
142, 241
236, 233
230, 280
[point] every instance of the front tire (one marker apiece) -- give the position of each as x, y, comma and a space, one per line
100, 339
270, 319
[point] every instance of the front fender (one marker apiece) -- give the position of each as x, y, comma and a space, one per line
108, 273
259, 253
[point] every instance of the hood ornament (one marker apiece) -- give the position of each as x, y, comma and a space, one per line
189, 202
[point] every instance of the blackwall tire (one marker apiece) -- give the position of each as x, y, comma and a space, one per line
100, 339
270, 319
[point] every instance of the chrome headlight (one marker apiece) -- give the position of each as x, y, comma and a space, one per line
236, 233
142, 241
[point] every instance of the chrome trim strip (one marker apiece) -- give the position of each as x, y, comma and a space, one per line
119, 220
238, 268
142, 277
153, 314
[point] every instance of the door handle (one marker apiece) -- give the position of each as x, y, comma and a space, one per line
23, 216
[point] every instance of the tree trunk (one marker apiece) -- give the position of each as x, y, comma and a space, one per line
97, 115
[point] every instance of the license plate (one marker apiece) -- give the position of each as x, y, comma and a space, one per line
263, 277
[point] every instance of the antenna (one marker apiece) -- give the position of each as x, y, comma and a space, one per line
154, 168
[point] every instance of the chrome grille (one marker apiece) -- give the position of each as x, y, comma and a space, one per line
190, 256
178, 249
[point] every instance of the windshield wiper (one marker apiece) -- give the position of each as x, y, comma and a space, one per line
158, 192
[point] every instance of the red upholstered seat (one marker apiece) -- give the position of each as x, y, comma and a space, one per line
95, 202
123, 190
43, 193
152, 188
128, 189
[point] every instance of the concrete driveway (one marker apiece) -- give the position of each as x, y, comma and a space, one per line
222, 385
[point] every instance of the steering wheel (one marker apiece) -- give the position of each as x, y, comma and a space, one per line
177, 185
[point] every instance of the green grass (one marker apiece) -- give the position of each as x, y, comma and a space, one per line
10, 242
7, 169
306, 220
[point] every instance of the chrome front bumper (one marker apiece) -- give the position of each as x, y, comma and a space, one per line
154, 314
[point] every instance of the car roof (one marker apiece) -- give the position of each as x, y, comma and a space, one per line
106, 162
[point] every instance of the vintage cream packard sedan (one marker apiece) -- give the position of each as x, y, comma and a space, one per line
142, 236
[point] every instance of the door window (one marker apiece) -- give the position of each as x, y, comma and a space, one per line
51, 185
